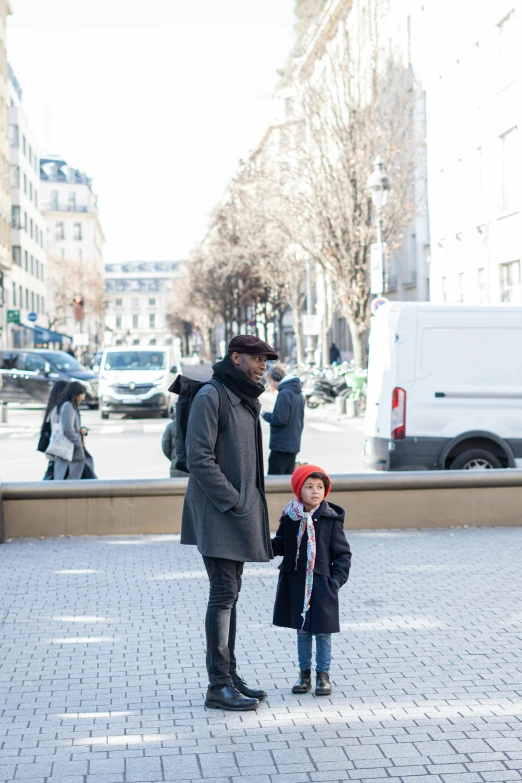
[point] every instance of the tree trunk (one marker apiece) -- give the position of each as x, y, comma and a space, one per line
296, 306
359, 345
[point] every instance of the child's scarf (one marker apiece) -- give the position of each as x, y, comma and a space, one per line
295, 510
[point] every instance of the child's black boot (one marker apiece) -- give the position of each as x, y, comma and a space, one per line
304, 683
323, 686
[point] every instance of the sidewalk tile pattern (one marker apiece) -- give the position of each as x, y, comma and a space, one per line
102, 666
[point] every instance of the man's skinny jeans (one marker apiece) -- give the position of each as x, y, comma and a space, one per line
323, 651
220, 621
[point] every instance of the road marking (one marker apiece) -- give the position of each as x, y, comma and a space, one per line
323, 427
158, 426
108, 429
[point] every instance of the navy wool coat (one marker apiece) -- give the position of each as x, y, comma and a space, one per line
332, 566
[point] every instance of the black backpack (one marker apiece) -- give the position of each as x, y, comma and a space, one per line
186, 389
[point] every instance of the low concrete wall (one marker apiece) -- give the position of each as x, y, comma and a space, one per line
390, 500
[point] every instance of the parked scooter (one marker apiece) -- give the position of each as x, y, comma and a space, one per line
320, 390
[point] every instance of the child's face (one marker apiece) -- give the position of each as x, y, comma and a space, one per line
312, 493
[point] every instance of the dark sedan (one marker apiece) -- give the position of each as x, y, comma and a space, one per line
27, 376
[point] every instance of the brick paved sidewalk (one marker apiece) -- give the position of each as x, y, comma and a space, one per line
102, 666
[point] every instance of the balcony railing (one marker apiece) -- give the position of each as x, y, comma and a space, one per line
55, 207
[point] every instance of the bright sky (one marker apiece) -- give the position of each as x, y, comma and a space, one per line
157, 100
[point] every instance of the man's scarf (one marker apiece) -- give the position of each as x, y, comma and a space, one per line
295, 510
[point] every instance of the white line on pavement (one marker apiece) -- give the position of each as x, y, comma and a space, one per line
108, 429
324, 427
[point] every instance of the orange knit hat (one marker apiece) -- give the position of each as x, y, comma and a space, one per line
300, 475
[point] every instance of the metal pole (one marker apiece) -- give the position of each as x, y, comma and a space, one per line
379, 240
310, 347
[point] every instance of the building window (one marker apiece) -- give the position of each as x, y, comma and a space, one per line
26, 260
27, 299
152, 303
14, 136
32, 265
20, 298
510, 282
25, 183
444, 289
135, 303
135, 321
118, 322
152, 320
60, 231
15, 176
37, 269
24, 145
14, 294
17, 255
118, 302
31, 191
54, 199
77, 231
31, 231
15, 217
72, 201
136, 341
509, 159
37, 303
152, 341
32, 301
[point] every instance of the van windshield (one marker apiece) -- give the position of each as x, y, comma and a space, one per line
135, 360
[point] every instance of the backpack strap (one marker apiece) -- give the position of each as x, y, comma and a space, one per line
224, 403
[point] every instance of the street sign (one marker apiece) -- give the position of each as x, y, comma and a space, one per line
379, 301
377, 251
80, 339
32, 316
13, 316
310, 325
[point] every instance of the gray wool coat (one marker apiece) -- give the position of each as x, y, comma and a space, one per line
71, 424
225, 513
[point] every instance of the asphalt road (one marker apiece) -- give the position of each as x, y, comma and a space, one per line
125, 447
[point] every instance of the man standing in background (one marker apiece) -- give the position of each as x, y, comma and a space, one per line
286, 421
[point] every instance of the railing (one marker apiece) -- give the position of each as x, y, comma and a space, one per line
54, 207
371, 500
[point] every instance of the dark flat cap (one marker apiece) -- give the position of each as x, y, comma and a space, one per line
249, 343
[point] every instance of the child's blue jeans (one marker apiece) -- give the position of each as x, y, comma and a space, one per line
323, 651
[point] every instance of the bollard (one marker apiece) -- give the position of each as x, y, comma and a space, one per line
3, 415
340, 405
350, 408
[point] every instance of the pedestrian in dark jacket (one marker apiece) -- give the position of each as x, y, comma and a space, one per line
316, 564
168, 445
286, 422
225, 513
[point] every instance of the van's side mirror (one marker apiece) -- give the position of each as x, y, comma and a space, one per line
174, 368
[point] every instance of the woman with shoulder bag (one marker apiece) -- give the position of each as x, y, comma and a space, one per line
73, 433
50, 416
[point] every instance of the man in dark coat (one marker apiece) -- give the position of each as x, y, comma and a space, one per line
286, 422
225, 512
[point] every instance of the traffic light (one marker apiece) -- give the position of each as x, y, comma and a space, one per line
78, 308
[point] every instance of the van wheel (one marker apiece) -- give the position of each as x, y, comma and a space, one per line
475, 459
105, 415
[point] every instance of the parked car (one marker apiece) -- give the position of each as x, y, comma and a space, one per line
444, 387
136, 379
28, 375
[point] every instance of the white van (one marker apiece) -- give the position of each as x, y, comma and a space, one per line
136, 379
444, 387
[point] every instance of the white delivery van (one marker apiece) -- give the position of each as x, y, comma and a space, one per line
136, 379
444, 387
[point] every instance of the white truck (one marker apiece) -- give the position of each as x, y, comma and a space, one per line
444, 387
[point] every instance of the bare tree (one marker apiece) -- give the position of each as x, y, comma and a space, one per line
356, 106
67, 279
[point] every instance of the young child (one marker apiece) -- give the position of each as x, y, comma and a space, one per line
316, 564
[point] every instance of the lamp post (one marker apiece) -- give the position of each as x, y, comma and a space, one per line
378, 184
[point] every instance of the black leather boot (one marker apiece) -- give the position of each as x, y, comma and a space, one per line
241, 686
304, 683
323, 686
228, 698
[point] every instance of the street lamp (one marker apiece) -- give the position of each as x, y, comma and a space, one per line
378, 184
